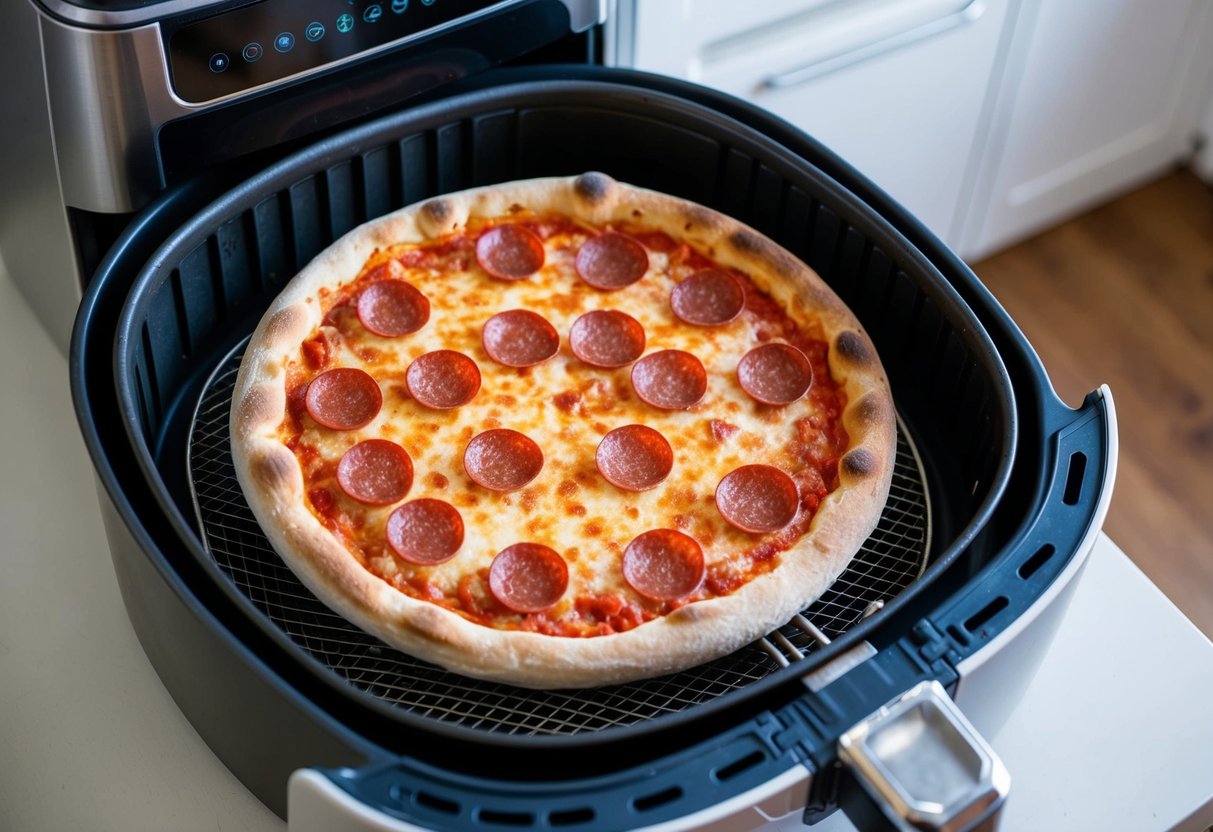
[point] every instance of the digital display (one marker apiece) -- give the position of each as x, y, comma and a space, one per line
258, 44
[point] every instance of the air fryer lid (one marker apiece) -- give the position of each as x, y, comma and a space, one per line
208, 283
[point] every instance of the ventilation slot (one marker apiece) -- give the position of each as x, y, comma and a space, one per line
739, 766
1078, 467
571, 817
657, 799
490, 816
438, 804
1032, 564
989, 611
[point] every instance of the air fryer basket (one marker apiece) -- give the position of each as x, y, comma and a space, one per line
225, 267
196, 298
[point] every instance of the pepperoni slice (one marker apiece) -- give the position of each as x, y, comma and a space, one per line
425, 531
709, 297
606, 338
611, 261
519, 338
502, 459
775, 374
443, 379
392, 308
509, 252
670, 379
634, 457
757, 498
344, 398
376, 472
663, 565
528, 577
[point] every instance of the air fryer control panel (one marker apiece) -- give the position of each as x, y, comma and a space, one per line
258, 44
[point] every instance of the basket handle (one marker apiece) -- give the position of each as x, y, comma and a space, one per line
924, 766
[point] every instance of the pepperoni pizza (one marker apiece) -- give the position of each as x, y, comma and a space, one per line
562, 432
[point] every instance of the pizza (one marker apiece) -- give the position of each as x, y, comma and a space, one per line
562, 432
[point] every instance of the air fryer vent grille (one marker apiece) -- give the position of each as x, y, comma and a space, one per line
890, 560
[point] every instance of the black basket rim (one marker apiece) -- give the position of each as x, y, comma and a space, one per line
323, 154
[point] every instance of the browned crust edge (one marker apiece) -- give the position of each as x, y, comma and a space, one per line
273, 482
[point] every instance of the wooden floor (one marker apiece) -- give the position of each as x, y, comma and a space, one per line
1123, 295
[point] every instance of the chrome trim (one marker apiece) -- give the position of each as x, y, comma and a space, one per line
581, 15
109, 94
100, 18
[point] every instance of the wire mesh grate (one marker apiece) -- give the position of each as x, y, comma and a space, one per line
892, 557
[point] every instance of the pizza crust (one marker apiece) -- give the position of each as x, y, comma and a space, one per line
272, 480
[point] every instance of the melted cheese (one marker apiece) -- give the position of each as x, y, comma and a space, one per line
566, 407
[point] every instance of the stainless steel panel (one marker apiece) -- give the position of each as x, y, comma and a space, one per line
110, 92
79, 112
34, 240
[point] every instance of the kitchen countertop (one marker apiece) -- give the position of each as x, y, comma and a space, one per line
1116, 732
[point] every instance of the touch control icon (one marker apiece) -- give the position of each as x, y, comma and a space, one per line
400, 6
252, 52
285, 42
314, 31
372, 13
345, 23
218, 62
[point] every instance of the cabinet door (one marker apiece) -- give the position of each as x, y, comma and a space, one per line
1204, 159
1100, 95
896, 87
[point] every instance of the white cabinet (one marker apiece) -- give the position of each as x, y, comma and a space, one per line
988, 119
1204, 159
1099, 95
896, 87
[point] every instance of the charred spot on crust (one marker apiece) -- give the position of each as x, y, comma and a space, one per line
859, 462
820, 298
754, 245
853, 347
438, 210
747, 242
274, 469
593, 187
870, 409
697, 215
